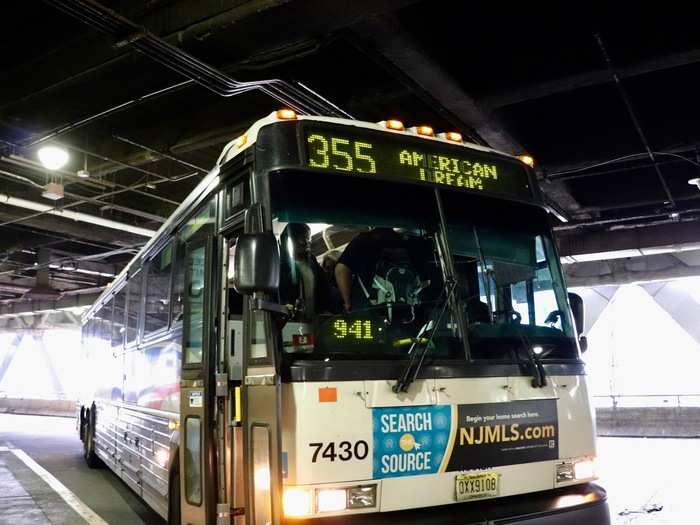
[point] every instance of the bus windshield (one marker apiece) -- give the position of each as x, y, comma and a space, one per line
370, 272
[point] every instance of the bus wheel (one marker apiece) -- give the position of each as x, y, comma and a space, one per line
91, 458
174, 500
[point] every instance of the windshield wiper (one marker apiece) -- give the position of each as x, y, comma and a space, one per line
416, 358
539, 376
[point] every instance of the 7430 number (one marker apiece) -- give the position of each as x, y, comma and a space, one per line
345, 450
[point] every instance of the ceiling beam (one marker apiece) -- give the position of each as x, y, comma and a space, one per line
14, 307
69, 228
284, 23
597, 77
657, 238
386, 37
647, 269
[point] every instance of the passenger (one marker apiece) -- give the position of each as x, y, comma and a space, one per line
329, 262
382, 266
303, 282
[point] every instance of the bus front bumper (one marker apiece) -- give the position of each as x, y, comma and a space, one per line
576, 505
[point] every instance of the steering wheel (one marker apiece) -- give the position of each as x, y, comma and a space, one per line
514, 315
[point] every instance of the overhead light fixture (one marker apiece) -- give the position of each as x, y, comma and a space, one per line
84, 173
53, 157
695, 182
53, 191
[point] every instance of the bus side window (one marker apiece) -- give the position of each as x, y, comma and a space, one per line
158, 291
203, 223
133, 307
195, 266
118, 328
104, 320
178, 303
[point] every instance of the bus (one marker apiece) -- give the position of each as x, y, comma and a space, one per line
347, 322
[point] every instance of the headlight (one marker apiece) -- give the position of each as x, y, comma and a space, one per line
585, 469
579, 470
301, 501
297, 502
331, 500
362, 497
565, 472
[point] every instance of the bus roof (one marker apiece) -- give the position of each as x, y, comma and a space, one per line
247, 139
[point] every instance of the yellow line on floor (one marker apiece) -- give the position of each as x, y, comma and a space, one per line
69, 497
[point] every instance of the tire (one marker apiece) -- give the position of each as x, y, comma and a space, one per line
174, 500
91, 458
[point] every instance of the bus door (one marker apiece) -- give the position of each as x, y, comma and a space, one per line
263, 437
231, 349
262, 420
197, 265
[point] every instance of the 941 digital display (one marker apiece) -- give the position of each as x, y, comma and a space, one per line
356, 151
339, 332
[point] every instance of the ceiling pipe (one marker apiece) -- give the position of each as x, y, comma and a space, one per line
163, 154
633, 116
687, 216
297, 97
83, 199
13, 288
74, 215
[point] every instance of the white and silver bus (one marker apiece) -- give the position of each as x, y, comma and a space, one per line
347, 322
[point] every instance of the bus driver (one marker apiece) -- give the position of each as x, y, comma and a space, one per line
382, 266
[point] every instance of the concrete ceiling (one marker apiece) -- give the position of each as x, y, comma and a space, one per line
602, 96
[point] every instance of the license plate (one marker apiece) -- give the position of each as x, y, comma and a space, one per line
473, 486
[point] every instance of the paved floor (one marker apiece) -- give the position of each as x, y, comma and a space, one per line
643, 474
53, 444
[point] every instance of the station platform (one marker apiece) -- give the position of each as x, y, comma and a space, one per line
44, 479
28, 496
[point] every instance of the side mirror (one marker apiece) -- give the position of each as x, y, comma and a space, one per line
577, 309
256, 264
583, 343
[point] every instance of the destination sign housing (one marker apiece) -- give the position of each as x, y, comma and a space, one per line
354, 150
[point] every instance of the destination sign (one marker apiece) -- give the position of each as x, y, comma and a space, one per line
356, 151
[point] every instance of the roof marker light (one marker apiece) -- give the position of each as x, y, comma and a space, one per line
454, 136
396, 125
527, 159
286, 114
241, 141
426, 131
